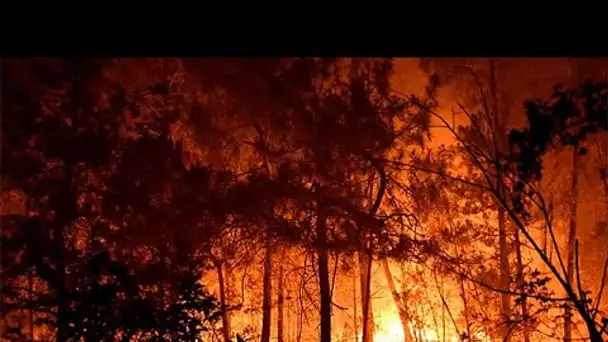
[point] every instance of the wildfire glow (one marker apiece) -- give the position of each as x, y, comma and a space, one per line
435, 277
392, 332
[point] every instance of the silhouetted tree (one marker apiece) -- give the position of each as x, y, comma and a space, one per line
65, 128
567, 118
53, 137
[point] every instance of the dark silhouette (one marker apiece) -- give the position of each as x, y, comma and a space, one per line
141, 178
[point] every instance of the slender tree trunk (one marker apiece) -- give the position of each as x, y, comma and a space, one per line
465, 306
521, 281
365, 260
288, 316
435, 322
365, 267
443, 332
401, 304
30, 285
66, 210
545, 238
571, 241
267, 300
356, 314
280, 304
504, 272
324, 286
300, 309
223, 303
230, 292
499, 137
547, 247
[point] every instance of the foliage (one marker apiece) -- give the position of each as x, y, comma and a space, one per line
140, 176
566, 119
65, 128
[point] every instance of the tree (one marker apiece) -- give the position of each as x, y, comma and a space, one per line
47, 140
487, 134
566, 119
316, 107
66, 126
569, 117
343, 110
252, 90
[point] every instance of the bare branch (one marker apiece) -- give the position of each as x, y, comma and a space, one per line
601, 289
578, 275
445, 304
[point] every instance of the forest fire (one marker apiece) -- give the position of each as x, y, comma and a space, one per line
304, 199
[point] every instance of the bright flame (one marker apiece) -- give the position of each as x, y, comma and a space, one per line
393, 332
390, 329
429, 335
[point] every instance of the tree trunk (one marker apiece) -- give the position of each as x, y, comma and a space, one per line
267, 300
223, 303
521, 281
365, 268
504, 273
443, 332
401, 305
288, 316
300, 309
66, 212
356, 314
571, 241
365, 260
499, 140
280, 306
30, 285
465, 306
324, 286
